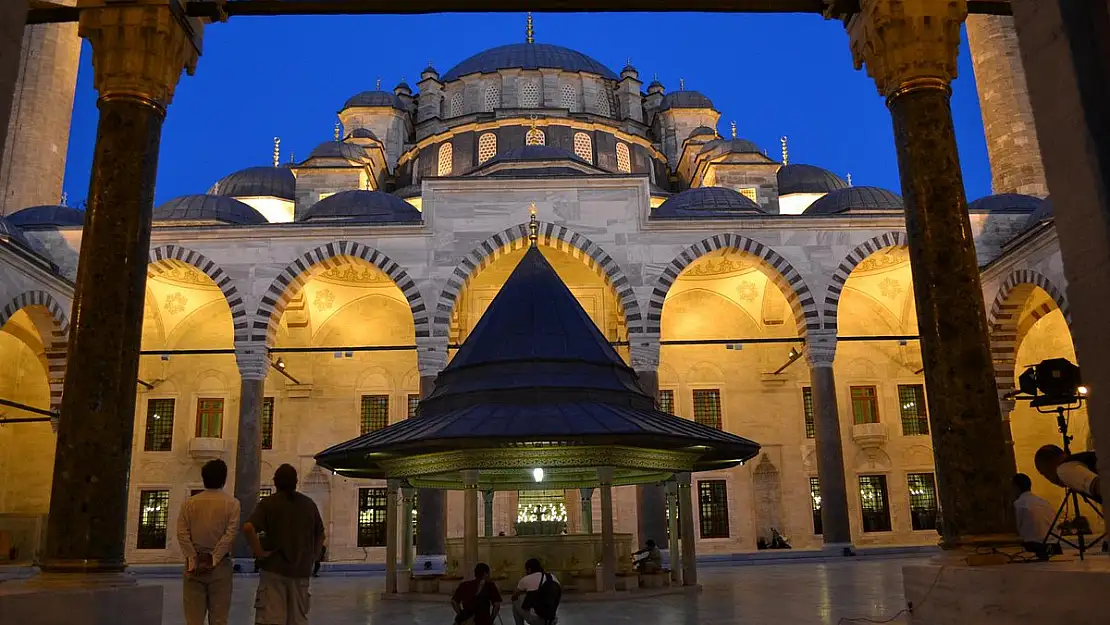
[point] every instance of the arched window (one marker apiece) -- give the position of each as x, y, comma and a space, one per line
583, 146
535, 136
457, 104
487, 147
493, 97
570, 98
603, 107
529, 94
446, 156
624, 162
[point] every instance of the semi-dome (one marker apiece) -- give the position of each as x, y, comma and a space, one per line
856, 199
375, 98
362, 133
730, 146
362, 207
808, 179
706, 202
48, 215
209, 209
703, 131
528, 56
1006, 203
1043, 212
258, 182
685, 100
337, 149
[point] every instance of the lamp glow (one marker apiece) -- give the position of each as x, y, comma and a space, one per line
537, 474
1083, 390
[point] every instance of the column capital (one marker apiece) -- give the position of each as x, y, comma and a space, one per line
820, 348
605, 475
586, 494
140, 50
682, 479
470, 479
253, 361
907, 44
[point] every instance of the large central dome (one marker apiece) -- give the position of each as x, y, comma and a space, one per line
528, 56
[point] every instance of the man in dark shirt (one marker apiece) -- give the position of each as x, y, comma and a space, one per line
294, 538
477, 601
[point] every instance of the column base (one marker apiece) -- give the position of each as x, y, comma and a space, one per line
435, 564
70, 599
847, 550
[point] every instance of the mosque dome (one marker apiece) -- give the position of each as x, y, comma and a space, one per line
338, 149
528, 56
808, 179
655, 87
853, 199
209, 209
1043, 212
685, 100
48, 215
362, 207
257, 182
703, 131
706, 202
1006, 203
402, 87
375, 98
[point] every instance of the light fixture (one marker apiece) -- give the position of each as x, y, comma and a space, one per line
794, 353
537, 474
1083, 390
280, 364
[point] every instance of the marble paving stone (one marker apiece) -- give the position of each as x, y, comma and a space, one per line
777, 594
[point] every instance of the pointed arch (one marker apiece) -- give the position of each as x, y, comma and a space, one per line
52, 323
163, 257
551, 235
850, 262
781, 273
296, 274
1005, 315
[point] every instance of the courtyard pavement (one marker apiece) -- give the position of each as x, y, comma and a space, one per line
801, 593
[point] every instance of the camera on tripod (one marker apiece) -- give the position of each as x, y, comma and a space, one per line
1053, 382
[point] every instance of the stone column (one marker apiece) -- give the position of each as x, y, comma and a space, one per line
910, 50
138, 55
393, 488
431, 513
686, 523
836, 529
408, 496
470, 523
608, 541
672, 524
587, 495
651, 500
487, 499
254, 364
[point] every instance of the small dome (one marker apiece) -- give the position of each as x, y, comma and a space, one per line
337, 149
374, 98
49, 215
808, 179
1043, 212
629, 72
528, 56
854, 199
703, 131
655, 87
362, 207
402, 88
209, 208
706, 202
362, 133
685, 100
731, 146
429, 72
258, 182
411, 191
1006, 203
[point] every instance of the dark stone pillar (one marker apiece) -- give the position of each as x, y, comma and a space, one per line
836, 529
254, 364
651, 499
431, 505
686, 528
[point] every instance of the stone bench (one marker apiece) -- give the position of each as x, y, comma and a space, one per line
660, 579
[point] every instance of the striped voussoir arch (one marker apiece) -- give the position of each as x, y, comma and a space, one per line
163, 259
550, 235
781, 273
292, 279
854, 258
1005, 316
52, 324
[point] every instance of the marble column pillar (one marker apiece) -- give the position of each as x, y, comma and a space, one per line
470, 523
651, 499
820, 351
686, 528
408, 497
138, 56
910, 50
431, 504
608, 541
587, 496
254, 364
13, 19
393, 488
672, 526
487, 512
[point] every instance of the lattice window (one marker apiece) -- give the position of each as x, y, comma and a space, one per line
446, 156
375, 413
603, 107
713, 508
529, 94
624, 160
666, 401
159, 425
372, 506
535, 136
865, 404
414, 403
815, 500
493, 97
750, 193
911, 404
487, 147
154, 514
536, 506
210, 418
267, 422
807, 408
923, 500
873, 503
584, 146
707, 407
265, 492
570, 98
456, 104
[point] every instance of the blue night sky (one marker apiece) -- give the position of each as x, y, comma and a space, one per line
775, 75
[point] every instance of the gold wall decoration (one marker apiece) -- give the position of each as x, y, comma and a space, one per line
324, 300
176, 303
184, 275
709, 267
355, 275
883, 260
890, 288
747, 291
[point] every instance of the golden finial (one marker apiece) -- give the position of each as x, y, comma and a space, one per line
849, 179
337, 130
533, 226
529, 31
277, 151
682, 84
785, 154
533, 118
732, 125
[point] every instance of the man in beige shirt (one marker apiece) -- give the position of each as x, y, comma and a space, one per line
206, 528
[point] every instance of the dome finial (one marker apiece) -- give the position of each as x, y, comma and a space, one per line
682, 84
378, 84
337, 131
849, 179
529, 31
292, 157
732, 126
785, 154
533, 226
277, 151
65, 198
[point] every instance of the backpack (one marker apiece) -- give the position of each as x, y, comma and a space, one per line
547, 598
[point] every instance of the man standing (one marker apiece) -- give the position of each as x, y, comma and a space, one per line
206, 528
294, 534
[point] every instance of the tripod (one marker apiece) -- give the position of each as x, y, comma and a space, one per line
1071, 501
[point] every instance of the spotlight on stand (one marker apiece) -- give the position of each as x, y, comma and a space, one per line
1053, 382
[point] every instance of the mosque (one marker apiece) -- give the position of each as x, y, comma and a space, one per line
341, 284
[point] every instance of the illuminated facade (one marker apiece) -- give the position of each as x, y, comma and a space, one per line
707, 262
